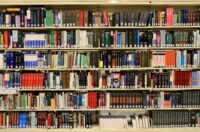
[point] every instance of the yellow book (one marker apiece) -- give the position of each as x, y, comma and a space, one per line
13, 9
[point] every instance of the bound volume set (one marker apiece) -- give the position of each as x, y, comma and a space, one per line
102, 38
92, 68
41, 16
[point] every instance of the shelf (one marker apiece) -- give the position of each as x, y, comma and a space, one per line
102, 109
148, 68
75, 2
98, 129
52, 49
114, 89
96, 28
100, 2
9, 91
175, 2
51, 69
103, 69
101, 48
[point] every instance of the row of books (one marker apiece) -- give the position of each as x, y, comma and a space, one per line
113, 38
162, 119
140, 38
48, 120
155, 119
102, 80
40, 16
102, 100
186, 99
36, 59
178, 58
62, 100
104, 59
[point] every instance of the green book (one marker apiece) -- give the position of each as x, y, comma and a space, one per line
83, 60
24, 101
107, 39
47, 18
50, 18
52, 38
144, 99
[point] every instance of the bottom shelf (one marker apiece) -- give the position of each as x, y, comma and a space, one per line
185, 129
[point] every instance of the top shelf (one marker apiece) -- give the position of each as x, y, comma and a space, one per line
101, 2
95, 27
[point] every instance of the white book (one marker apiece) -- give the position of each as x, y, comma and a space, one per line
51, 74
108, 100
71, 82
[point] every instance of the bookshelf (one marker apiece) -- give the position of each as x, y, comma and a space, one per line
51, 101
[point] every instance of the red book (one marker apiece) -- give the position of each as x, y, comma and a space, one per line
92, 100
173, 54
41, 80
82, 19
55, 38
31, 81
169, 16
1, 119
103, 82
92, 80
105, 18
175, 78
25, 81
6, 39
28, 80
49, 119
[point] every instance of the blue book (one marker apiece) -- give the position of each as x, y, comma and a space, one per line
12, 61
185, 16
20, 120
138, 38
7, 80
56, 18
124, 59
1, 18
7, 59
182, 60
24, 119
80, 100
118, 39
83, 101
182, 16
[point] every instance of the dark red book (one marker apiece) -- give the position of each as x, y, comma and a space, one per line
55, 39
92, 100
49, 119
6, 39
82, 19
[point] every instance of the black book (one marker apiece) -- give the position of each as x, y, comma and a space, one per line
125, 18
42, 23
132, 20
13, 19
90, 23
116, 19
38, 18
121, 14
34, 19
